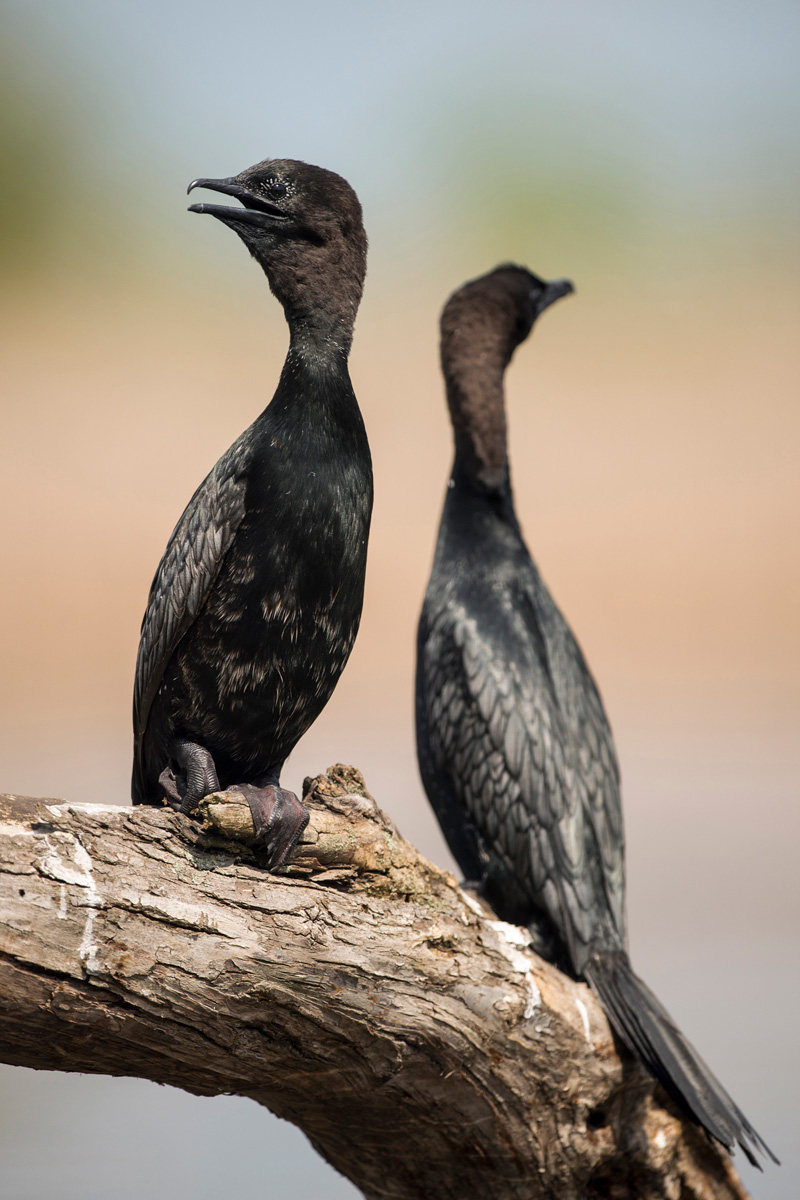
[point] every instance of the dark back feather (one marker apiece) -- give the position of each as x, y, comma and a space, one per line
190, 564
515, 734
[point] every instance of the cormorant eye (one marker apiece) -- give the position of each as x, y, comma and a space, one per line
276, 189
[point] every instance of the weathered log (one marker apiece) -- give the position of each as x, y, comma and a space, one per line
419, 1043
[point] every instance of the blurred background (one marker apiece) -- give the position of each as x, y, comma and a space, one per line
649, 152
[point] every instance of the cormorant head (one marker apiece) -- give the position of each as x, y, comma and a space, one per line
304, 226
496, 311
481, 326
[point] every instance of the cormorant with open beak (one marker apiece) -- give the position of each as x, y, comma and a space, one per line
257, 600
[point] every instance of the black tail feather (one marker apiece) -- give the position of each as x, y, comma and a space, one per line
649, 1032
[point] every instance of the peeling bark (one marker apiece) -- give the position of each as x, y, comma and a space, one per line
419, 1043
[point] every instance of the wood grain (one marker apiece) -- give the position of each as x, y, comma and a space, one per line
418, 1042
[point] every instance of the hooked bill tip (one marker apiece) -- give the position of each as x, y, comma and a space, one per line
553, 291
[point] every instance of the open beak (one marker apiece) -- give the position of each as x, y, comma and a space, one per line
254, 210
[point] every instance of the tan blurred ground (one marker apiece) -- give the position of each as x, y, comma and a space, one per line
654, 457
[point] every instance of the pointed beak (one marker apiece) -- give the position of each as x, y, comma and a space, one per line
554, 291
254, 208
229, 186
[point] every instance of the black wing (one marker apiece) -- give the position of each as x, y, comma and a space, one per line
459, 831
516, 728
190, 564
589, 741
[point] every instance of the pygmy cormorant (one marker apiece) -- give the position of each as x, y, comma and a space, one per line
256, 603
514, 746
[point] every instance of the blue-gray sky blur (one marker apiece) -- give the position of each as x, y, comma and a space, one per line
648, 150
687, 110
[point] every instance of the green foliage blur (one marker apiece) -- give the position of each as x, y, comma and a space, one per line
491, 172
40, 163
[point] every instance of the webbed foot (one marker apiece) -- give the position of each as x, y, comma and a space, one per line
278, 817
195, 777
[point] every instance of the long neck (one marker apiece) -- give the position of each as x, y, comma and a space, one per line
476, 501
315, 372
478, 527
320, 337
477, 409
314, 404
320, 304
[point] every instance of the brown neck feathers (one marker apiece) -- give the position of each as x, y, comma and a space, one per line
479, 333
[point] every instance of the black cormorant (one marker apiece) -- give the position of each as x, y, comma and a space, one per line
514, 746
256, 602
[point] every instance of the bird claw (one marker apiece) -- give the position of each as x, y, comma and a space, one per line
169, 785
190, 775
278, 818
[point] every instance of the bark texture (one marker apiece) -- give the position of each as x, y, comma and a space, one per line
419, 1043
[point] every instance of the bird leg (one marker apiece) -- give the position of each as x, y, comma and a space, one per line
278, 818
195, 777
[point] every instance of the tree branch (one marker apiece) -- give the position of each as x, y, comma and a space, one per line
420, 1045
